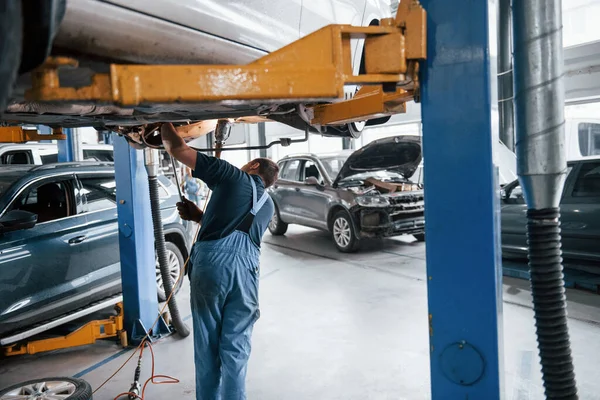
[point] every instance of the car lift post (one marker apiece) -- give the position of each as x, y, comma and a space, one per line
136, 243
70, 149
463, 259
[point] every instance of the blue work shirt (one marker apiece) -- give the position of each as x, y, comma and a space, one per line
231, 200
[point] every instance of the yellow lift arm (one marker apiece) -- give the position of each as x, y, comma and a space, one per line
312, 70
87, 334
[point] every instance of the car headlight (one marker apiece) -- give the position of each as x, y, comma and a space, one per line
372, 201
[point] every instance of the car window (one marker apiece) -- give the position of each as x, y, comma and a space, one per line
49, 158
310, 169
589, 138
588, 180
333, 165
100, 192
290, 171
17, 157
98, 155
49, 200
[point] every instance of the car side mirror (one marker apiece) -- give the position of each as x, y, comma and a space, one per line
312, 181
17, 220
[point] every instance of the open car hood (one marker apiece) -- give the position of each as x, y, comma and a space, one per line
400, 154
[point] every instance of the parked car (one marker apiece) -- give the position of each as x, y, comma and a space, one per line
69, 257
101, 32
357, 195
580, 214
47, 153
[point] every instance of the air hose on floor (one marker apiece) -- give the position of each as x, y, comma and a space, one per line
151, 162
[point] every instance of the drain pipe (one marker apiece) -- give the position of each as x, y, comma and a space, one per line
151, 162
541, 166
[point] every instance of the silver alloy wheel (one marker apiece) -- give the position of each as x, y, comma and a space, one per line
274, 221
51, 390
341, 232
174, 270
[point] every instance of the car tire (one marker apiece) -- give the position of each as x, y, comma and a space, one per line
48, 388
356, 128
420, 237
176, 263
11, 38
343, 232
276, 226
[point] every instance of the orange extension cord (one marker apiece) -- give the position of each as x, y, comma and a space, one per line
167, 379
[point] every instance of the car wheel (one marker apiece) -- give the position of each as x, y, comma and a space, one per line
420, 237
175, 261
343, 233
356, 128
49, 388
277, 227
11, 37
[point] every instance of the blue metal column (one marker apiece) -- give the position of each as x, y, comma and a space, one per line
136, 242
463, 265
65, 147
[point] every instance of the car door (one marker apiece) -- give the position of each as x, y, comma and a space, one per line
264, 24
102, 229
286, 189
313, 200
513, 219
41, 267
580, 212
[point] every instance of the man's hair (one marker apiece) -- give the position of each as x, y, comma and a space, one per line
268, 170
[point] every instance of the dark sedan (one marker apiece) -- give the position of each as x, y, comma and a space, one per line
580, 214
364, 194
68, 256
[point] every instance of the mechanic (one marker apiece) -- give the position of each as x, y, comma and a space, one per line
224, 266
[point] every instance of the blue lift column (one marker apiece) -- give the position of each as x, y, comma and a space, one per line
136, 241
462, 204
70, 148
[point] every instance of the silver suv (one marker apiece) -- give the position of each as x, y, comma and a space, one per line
357, 195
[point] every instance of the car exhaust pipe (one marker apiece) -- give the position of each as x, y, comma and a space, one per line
542, 169
151, 163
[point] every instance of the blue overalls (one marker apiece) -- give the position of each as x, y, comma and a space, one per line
224, 284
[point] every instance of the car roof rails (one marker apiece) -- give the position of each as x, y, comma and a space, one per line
73, 164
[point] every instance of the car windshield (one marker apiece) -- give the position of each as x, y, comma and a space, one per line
7, 179
333, 165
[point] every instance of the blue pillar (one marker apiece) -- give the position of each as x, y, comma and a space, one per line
462, 205
136, 241
69, 149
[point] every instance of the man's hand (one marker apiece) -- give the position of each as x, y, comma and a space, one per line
176, 146
188, 211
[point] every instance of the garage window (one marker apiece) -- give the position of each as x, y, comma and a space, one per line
99, 192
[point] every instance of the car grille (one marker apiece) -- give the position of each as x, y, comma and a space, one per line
407, 202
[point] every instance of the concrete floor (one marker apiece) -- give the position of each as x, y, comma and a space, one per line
337, 326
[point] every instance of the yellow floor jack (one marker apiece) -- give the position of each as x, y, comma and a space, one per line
87, 334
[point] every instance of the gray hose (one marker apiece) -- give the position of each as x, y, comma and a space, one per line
161, 251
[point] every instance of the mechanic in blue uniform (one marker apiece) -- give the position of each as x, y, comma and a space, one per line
224, 266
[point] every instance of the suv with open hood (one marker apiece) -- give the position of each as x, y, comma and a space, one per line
353, 195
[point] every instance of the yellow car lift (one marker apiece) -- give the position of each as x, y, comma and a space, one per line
87, 334
312, 70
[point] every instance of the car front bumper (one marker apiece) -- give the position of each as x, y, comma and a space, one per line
386, 222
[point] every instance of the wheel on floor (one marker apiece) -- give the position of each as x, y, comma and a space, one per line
277, 227
344, 235
175, 262
49, 388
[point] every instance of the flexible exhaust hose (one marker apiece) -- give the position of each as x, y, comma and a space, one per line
161, 251
549, 303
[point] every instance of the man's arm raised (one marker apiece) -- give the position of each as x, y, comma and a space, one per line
176, 146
